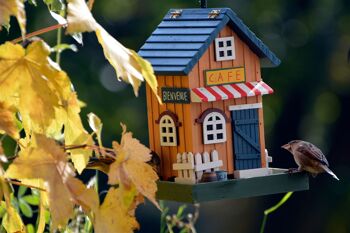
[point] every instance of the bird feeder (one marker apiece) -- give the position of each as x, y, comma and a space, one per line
208, 66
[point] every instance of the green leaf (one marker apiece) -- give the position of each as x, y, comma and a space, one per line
25, 208
32, 199
30, 228
14, 202
2, 209
55, 5
88, 225
61, 47
33, 2
21, 191
47, 216
180, 211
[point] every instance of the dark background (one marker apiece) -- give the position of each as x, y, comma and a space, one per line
311, 100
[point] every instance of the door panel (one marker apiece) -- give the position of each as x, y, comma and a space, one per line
245, 130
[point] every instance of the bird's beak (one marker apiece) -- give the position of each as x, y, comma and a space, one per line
286, 146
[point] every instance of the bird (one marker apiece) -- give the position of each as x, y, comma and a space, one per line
308, 157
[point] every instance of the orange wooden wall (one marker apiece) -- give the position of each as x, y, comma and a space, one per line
154, 109
190, 133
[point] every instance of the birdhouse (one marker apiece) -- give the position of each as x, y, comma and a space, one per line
208, 66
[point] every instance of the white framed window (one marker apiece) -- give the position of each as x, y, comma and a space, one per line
225, 48
214, 128
168, 136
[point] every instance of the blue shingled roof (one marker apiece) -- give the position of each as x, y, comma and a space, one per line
177, 44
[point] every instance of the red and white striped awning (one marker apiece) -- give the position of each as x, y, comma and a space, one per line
229, 91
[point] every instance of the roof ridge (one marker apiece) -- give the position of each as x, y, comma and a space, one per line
191, 30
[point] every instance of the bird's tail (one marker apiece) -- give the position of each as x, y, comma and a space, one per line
329, 172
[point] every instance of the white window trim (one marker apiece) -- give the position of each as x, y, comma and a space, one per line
244, 106
215, 131
167, 134
225, 48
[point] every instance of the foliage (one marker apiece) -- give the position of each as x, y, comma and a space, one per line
274, 208
40, 111
184, 223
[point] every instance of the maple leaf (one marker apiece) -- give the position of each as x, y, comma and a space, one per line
28, 81
45, 160
86, 198
75, 134
35, 85
15, 8
131, 168
8, 121
113, 215
129, 66
79, 17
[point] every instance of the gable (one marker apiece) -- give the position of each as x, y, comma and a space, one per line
178, 43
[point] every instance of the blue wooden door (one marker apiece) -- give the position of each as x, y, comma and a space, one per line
245, 130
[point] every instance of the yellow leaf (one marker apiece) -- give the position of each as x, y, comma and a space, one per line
96, 125
30, 82
35, 85
129, 66
148, 73
41, 223
45, 160
86, 198
79, 17
131, 168
8, 121
120, 58
12, 221
15, 8
113, 215
75, 134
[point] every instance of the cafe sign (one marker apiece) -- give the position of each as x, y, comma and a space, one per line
176, 95
224, 76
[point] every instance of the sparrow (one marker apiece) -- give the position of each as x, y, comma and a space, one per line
308, 157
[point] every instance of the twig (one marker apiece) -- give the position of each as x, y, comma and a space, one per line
105, 151
39, 32
74, 147
26, 185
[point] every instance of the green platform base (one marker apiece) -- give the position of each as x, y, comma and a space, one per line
232, 189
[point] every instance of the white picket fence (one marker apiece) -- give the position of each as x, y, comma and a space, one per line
191, 167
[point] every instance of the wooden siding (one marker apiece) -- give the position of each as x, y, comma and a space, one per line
168, 154
190, 137
244, 57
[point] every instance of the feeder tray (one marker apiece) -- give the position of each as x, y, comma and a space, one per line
278, 182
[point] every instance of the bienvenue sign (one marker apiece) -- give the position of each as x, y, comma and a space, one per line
176, 95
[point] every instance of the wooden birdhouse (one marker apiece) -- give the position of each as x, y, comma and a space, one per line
208, 65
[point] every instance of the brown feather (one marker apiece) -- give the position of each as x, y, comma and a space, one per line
312, 152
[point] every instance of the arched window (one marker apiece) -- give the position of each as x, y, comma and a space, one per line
168, 122
214, 126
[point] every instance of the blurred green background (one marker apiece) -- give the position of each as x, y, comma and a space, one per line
311, 100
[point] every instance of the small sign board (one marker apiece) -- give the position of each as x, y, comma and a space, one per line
224, 76
176, 95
